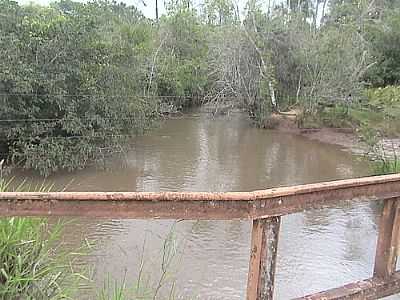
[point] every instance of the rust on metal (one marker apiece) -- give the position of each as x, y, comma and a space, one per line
387, 245
264, 249
268, 258
263, 207
255, 260
191, 205
370, 289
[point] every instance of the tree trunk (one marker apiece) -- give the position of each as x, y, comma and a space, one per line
157, 10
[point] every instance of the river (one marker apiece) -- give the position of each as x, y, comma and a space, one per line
318, 249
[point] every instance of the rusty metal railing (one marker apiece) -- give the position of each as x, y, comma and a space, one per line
264, 208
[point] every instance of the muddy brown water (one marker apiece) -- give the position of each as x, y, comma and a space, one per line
318, 249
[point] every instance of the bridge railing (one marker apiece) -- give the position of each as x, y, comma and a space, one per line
264, 208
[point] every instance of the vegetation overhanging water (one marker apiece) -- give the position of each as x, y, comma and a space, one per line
79, 80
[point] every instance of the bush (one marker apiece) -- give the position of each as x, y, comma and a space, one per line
385, 41
68, 83
384, 98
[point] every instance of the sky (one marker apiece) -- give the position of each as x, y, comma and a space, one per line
146, 6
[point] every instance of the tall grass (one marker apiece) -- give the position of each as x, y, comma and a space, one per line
388, 166
386, 162
145, 287
30, 268
32, 265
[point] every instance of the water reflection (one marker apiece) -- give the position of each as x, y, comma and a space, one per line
326, 248
318, 249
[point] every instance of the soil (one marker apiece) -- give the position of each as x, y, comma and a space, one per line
347, 138
344, 137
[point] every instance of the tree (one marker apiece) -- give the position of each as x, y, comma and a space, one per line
384, 36
67, 87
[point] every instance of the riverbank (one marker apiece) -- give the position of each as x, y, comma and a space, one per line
369, 125
201, 152
347, 138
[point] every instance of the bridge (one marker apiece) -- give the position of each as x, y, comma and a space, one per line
263, 208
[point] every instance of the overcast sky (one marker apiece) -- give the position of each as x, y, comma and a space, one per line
146, 6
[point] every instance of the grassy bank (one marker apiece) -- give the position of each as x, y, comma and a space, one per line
33, 264
377, 113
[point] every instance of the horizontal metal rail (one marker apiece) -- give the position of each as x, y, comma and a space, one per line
264, 208
193, 205
373, 288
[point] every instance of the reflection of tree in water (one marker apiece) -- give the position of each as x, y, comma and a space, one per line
353, 235
231, 230
200, 227
359, 233
180, 152
317, 220
92, 232
226, 237
169, 155
224, 154
234, 231
344, 235
268, 159
351, 227
376, 209
368, 212
252, 151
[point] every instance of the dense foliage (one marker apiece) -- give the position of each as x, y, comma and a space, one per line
385, 40
77, 80
66, 88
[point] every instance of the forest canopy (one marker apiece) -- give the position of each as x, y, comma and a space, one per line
77, 80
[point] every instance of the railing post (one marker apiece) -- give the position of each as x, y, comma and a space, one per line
264, 247
388, 238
